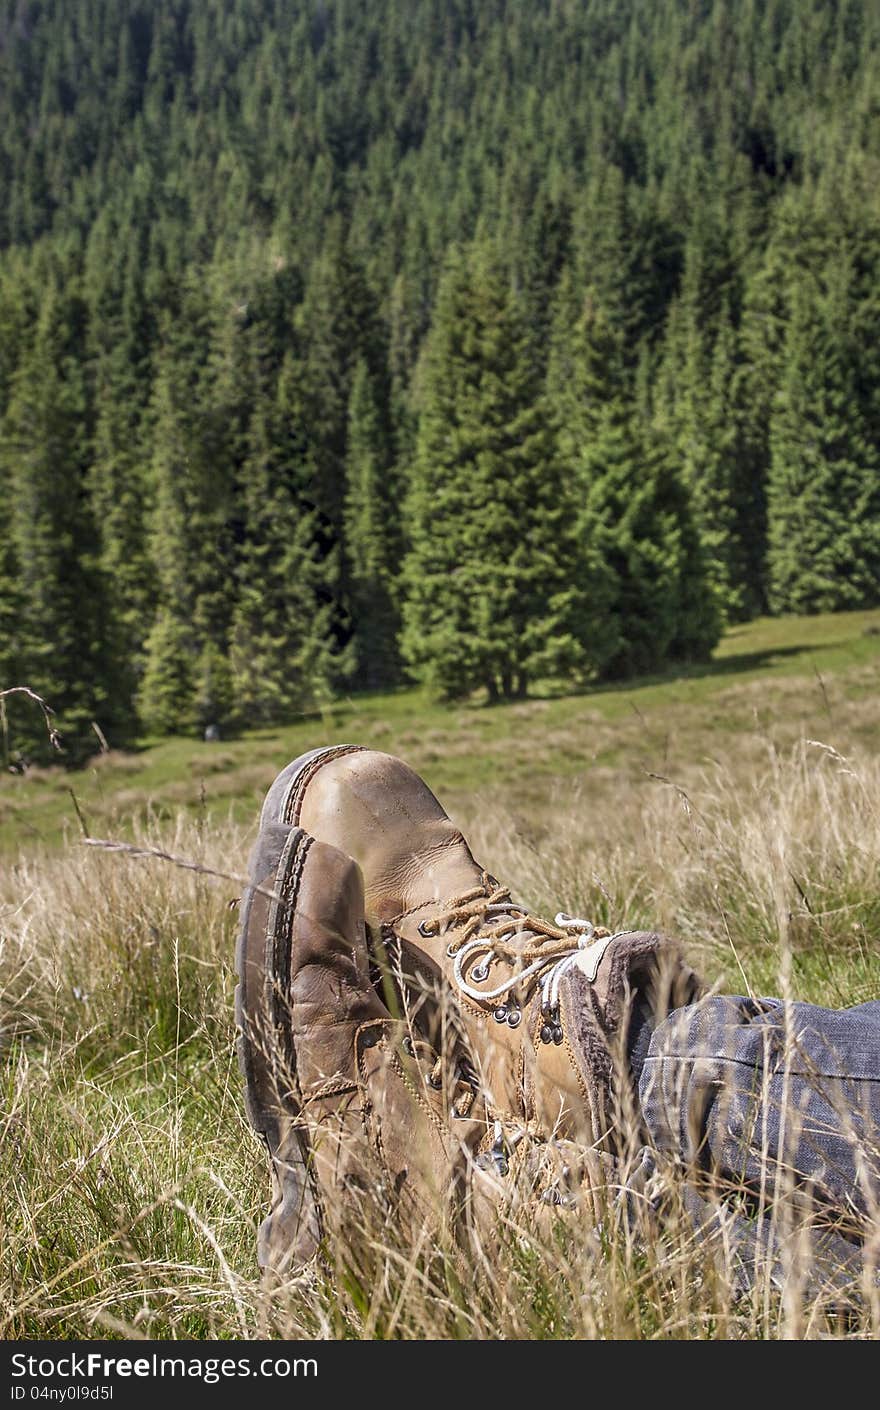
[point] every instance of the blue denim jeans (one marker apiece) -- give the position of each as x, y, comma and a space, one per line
772, 1114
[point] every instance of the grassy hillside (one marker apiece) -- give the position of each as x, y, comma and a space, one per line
772, 679
736, 808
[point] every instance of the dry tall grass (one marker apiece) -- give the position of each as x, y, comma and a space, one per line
132, 1186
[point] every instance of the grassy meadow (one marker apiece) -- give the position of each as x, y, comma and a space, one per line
736, 805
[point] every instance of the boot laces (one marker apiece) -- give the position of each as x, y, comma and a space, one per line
494, 927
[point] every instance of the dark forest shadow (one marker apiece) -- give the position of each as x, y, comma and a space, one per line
735, 664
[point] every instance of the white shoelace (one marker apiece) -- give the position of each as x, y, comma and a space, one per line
586, 952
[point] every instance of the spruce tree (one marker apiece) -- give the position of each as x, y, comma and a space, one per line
193, 529
119, 493
11, 666
338, 325
733, 480
167, 697
372, 537
700, 414
494, 592
215, 700
635, 513
120, 329
285, 647
824, 486
13, 322
67, 630
166, 700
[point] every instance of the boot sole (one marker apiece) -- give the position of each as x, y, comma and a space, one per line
262, 963
284, 800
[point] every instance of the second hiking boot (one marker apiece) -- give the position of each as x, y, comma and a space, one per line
547, 1009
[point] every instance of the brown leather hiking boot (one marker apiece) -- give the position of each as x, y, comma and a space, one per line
544, 1009
351, 1101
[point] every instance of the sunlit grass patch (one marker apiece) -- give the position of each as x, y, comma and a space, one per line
746, 822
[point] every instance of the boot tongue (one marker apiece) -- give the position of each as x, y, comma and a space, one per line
637, 965
588, 960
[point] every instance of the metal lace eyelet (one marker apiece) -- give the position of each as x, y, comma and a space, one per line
480, 972
514, 1018
500, 1015
426, 929
408, 1048
451, 951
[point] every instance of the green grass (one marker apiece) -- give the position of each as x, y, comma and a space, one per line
737, 807
782, 674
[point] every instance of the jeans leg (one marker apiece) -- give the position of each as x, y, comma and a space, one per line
761, 1103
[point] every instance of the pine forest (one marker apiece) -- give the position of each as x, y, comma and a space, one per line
471, 343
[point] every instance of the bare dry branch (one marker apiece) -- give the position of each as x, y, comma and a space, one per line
157, 854
48, 712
